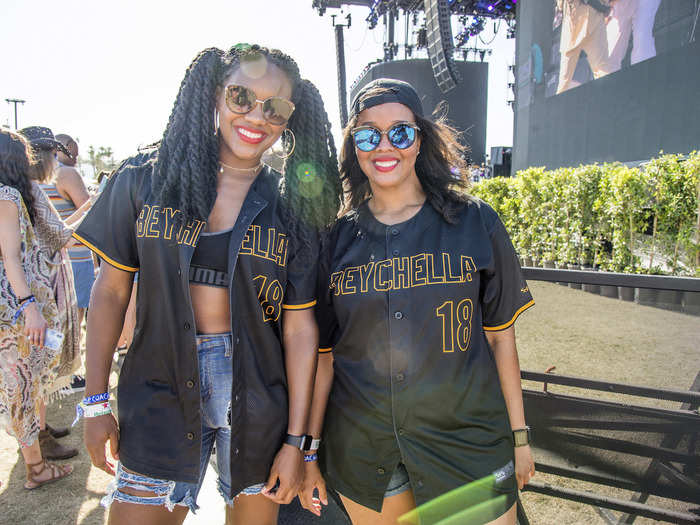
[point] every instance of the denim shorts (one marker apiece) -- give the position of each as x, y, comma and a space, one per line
399, 482
215, 376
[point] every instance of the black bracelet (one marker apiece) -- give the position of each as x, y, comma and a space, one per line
25, 299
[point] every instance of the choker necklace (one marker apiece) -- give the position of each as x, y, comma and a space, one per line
248, 170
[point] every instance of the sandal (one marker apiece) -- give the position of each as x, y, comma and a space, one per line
57, 472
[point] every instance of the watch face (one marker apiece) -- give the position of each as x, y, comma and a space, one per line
306, 442
521, 437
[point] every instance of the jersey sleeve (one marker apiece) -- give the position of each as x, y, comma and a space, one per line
302, 267
505, 293
109, 228
326, 320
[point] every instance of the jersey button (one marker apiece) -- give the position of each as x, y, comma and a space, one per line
400, 377
190, 384
190, 436
398, 315
186, 326
396, 253
235, 451
380, 471
401, 432
394, 231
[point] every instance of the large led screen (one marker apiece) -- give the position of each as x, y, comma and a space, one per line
595, 38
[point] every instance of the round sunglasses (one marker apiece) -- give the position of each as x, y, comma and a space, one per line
401, 136
242, 100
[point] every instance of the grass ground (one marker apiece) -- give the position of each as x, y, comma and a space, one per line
581, 334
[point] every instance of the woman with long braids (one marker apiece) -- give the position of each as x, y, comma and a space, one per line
419, 290
224, 351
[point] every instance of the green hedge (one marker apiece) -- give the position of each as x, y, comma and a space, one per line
633, 220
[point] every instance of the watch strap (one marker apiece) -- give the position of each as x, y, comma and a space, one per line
315, 443
296, 441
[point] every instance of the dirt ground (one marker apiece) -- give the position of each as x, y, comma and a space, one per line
581, 334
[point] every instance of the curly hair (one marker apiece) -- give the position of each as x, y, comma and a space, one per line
440, 166
17, 166
185, 173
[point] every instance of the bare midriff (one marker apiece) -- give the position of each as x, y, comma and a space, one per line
211, 309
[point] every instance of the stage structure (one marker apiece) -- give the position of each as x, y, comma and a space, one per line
428, 33
597, 84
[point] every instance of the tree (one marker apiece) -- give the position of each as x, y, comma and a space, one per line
101, 159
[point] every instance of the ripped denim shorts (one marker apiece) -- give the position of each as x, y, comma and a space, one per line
215, 375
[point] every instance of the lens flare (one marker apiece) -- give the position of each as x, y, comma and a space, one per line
310, 184
475, 503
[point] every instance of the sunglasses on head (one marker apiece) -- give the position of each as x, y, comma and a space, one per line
242, 100
401, 136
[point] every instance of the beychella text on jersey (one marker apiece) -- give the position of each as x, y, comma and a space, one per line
401, 273
159, 222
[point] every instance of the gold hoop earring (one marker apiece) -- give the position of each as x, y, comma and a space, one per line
286, 140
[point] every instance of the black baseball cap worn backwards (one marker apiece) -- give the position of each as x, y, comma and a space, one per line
387, 90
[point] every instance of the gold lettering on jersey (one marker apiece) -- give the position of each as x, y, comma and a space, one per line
365, 276
169, 218
382, 283
348, 286
266, 244
467, 265
419, 272
433, 277
447, 266
400, 273
155, 222
154, 219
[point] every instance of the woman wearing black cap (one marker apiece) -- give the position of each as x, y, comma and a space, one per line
419, 290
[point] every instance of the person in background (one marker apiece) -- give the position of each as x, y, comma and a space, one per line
27, 308
67, 192
54, 236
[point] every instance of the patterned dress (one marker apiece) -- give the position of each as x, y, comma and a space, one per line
27, 372
53, 235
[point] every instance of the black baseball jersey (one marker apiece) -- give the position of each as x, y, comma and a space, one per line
404, 308
159, 398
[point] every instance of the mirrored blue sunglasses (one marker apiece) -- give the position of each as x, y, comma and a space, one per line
401, 136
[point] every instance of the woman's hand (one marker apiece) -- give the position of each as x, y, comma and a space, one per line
97, 431
34, 325
313, 480
287, 468
524, 465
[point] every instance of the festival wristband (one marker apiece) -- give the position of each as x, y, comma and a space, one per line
99, 409
97, 398
308, 458
23, 299
22, 307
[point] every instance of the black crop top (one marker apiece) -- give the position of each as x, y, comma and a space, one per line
209, 265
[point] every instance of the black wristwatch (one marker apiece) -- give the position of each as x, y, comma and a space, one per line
521, 436
300, 442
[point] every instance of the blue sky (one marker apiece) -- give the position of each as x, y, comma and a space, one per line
108, 72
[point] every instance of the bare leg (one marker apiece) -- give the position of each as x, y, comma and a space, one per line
508, 518
252, 509
42, 415
392, 508
121, 513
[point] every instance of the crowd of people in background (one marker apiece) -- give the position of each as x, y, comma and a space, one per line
46, 276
